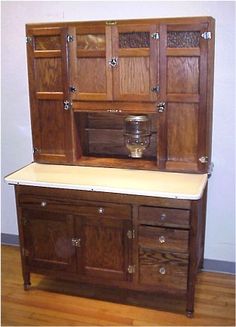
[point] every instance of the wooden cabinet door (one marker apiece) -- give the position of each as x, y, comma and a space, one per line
105, 251
48, 239
136, 74
185, 124
90, 50
48, 82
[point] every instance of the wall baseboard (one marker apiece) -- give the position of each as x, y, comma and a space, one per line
10, 239
209, 264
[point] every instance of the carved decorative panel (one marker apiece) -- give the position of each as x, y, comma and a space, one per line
183, 39
134, 40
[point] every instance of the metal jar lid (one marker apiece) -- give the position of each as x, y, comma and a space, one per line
140, 118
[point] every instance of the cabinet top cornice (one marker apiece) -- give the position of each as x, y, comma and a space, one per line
176, 20
123, 181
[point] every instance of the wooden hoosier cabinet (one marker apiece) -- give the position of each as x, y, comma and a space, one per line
121, 117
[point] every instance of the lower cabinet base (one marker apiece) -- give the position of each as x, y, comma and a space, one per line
136, 247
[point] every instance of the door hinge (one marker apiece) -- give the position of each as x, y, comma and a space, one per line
29, 39
131, 269
161, 107
67, 105
206, 35
203, 159
113, 62
35, 150
69, 38
131, 234
76, 242
155, 89
155, 36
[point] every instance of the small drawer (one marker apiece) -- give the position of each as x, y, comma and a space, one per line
163, 239
76, 207
42, 202
163, 271
105, 209
156, 216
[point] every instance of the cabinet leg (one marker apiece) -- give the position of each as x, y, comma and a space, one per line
26, 281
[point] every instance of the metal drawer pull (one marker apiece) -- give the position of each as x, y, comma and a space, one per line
43, 204
162, 239
163, 216
162, 271
101, 210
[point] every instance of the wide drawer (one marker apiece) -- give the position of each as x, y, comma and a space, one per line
163, 239
87, 208
163, 271
158, 216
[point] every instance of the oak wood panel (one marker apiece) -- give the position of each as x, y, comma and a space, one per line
136, 73
51, 122
175, 265
47, 239
182, 120
89, 70
183, 52
183, 75
163, 239
155, 216
134, 76
48, 75
91, 75
48, 88
45, 203
106, 106
105, 247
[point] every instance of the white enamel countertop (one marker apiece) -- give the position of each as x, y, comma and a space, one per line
125, 181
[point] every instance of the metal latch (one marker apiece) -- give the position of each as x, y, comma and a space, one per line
29, 39
69, 38
67, 105
206, 35
73, 89
76, 242
161, 107
113, 62
131, 234
203, 159
155, 36
155, 89
131, 269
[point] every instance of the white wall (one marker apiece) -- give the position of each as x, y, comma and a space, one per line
16, 133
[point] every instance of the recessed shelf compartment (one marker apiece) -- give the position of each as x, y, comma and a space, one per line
100, 140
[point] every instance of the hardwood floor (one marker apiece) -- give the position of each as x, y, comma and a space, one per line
57, 303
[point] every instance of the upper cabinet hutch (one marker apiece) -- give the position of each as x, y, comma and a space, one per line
86, 77
121, 116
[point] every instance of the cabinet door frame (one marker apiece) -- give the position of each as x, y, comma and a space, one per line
197, 100
103, 274
28, 219
50, 99
152, 53
74, 54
